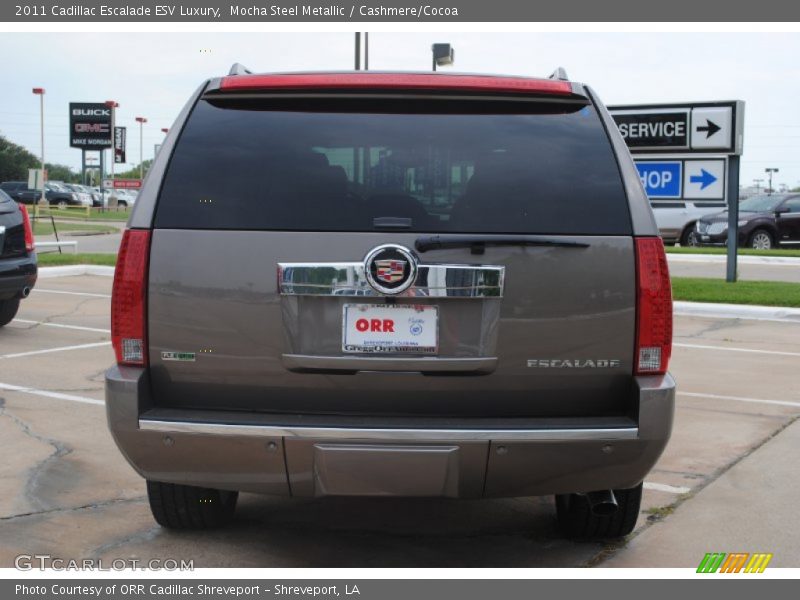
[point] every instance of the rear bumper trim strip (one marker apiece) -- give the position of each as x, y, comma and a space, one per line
301, 362
431, 435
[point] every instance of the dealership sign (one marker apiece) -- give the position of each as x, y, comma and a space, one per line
89, 125
697, 127
122, 184
119, 144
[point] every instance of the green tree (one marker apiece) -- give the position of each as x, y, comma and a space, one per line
62, 173
15, 161
133, 172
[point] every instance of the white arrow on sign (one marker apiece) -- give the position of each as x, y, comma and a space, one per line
704, 179
712, 127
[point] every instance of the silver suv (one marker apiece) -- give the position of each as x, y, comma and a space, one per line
382, 284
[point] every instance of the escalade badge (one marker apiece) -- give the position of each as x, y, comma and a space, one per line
390, 269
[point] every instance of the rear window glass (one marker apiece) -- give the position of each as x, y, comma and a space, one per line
431, 166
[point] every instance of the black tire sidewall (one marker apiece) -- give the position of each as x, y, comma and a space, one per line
8, 310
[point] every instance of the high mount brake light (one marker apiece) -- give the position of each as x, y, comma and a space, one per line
416, 81
128, 299
653, 308
26, 223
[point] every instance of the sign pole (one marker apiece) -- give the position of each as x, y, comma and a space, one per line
733, 217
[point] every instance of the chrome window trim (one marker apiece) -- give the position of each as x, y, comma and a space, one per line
391, 434
352, 280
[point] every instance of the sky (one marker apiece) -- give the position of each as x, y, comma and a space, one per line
152, 75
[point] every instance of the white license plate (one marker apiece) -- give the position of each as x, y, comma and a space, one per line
390, 328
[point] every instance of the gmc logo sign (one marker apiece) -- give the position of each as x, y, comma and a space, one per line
92, 128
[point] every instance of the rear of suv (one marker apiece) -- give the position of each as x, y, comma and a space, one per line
376, 284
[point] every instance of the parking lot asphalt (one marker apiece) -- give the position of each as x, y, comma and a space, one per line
721, 485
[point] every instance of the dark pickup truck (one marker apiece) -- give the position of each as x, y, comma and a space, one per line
55, 195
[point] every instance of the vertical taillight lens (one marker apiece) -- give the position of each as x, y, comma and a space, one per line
128, 299
26, 223
653, 308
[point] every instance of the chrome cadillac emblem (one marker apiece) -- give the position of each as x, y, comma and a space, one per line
391, 269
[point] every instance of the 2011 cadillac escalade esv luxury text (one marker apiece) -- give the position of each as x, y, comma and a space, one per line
391, 284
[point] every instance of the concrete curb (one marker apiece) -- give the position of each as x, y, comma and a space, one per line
781, 261
687, 309
737, 311
73, 270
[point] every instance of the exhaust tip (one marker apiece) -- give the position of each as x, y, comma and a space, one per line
602, 503
26, 291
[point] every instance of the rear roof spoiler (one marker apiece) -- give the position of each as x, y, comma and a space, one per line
242, 81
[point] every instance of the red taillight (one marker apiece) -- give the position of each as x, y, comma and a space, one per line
26, 223
653, 308
401, 81
128, 299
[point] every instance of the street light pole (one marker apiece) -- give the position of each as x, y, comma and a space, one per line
40, 92
141, 121
769, 171
113, 106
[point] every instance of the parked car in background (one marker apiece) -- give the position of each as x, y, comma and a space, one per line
125, 197
20, 192
765, 222
58, 194
677, 219
18, 268
83, 195
55, 194
97, 199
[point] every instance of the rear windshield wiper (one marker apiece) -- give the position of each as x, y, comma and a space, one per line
479, 242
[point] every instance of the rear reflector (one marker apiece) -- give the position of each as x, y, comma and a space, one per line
654, 308
26, 223
396, 81
128, 301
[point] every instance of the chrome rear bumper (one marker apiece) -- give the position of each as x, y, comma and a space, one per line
293, 456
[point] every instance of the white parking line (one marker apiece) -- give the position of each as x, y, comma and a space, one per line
62, 326
58, 349
47, 394
740, 399
663, 487
40, 290
729, 349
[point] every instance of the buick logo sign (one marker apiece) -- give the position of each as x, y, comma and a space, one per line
390, 269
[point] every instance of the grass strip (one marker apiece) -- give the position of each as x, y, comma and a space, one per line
765, 293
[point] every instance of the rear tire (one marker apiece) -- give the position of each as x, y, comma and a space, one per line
177, 506
761, 239
688, 237
8, 310
576, 521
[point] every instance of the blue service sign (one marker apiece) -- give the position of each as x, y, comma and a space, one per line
661, 179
